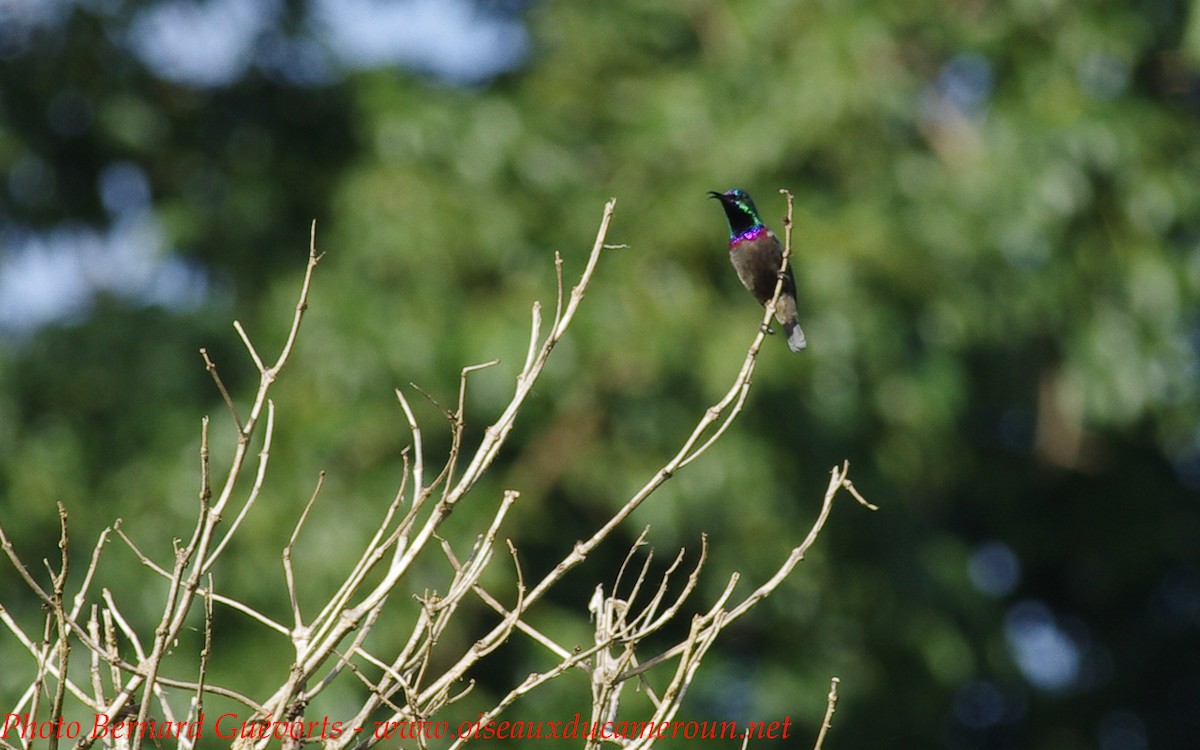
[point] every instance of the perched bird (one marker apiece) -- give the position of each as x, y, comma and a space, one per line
756, 254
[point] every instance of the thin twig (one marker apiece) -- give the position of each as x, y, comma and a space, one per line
830, 705
237, 420
288, 572
60, 618
264, 457
205, 653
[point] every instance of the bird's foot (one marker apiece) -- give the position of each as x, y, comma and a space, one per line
767, 329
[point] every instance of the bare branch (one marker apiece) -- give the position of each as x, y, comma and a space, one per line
289, 574
60, 619
237, 420
831, 704
264, 457
418, 675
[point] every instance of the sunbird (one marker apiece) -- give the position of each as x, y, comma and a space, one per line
756, 254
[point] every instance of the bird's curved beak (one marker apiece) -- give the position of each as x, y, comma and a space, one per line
719, 196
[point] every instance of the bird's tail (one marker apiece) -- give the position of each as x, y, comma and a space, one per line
795, 337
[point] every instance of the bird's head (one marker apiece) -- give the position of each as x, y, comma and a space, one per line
739, 210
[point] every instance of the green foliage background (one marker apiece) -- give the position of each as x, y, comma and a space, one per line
998, 258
